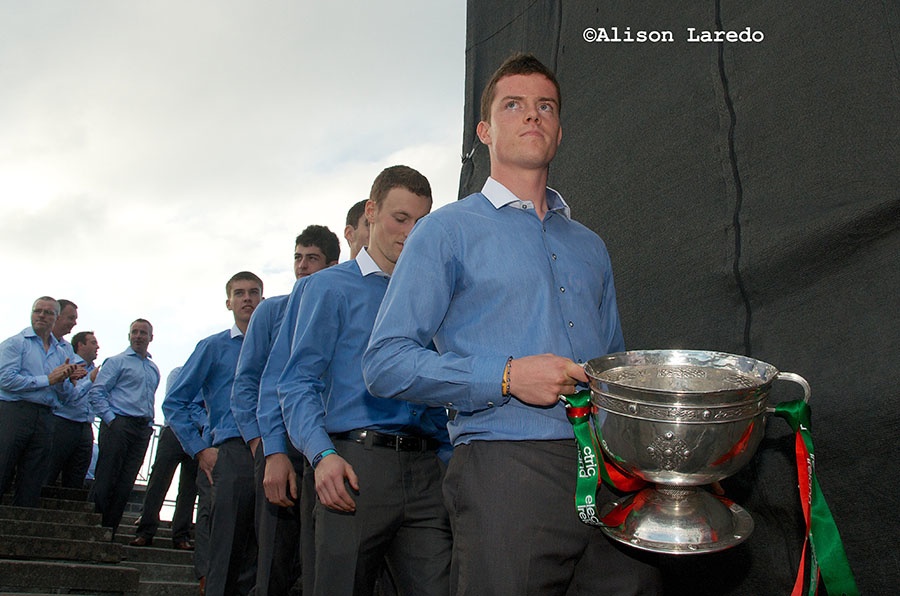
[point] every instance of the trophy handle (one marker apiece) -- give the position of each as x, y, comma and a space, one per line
794, 377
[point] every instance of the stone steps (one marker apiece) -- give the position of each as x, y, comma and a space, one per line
60, 548
50, 576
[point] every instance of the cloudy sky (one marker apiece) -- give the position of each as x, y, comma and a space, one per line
149, 150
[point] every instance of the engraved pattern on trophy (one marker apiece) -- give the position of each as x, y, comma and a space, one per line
668, 451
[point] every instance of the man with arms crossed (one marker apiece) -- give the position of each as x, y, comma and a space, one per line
377, 471
35, 376
518, 296
277, 523
123, 397
222, 456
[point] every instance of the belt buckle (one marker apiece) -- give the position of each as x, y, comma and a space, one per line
408, 443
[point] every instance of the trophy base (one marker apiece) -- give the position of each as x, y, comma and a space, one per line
679, 521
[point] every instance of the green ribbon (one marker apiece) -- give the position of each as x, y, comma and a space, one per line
827, 556
592, 468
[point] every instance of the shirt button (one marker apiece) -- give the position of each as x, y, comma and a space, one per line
524, 206
490, 404
553, 256
562, 289
571, 324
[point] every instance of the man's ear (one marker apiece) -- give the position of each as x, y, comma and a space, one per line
483, 130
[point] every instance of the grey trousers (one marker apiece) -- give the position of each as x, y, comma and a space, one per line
279, 531
232, 536
400, 518
516, 533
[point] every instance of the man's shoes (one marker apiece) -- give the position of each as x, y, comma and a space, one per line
182, 545
141, 541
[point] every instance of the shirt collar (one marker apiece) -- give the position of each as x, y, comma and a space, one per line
367, 265
500, 196
29, 332
235, 332
130, 351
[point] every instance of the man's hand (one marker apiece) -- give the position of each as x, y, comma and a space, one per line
61, 373
330, 475
206, 461
78, 374
253, 444
280, 481
540, 380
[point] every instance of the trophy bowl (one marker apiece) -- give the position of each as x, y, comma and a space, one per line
681, 419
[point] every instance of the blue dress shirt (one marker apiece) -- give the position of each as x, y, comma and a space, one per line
125, 386
209, 371
25, 366
79, 409
258, 340
486, 279
322, 389
268, 412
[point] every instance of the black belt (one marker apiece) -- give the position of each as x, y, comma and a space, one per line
142, 420
396, 442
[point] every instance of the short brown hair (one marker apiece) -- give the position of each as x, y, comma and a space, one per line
402, 177
517, 64
80, 338
243, 276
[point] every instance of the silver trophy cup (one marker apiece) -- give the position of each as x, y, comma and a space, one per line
681, 419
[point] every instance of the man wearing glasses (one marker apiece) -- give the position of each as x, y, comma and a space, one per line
35, 376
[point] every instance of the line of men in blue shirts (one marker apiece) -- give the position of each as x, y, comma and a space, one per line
250, 469
494, 305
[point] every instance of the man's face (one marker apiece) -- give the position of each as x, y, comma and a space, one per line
524, 131
43, 316
308, 260
359, 236
65, 322
88, 350
243, 300
393, 219
139, 336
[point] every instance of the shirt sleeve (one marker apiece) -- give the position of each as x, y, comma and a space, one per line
178, 405
247, 376
98, 394
268, 410
300, 387
12, 377
398, 363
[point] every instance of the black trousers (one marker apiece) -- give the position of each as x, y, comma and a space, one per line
170, 455
201, 528
70, 456
123, 445
516, 532
26, 432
